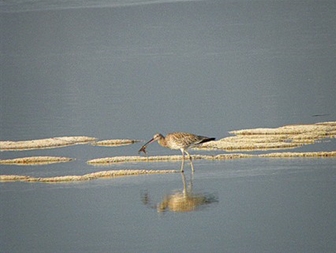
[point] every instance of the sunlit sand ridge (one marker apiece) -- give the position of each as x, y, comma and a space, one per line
286, 137
300, 154
86, 177
44, 143
165, 158
123, 159
36, 160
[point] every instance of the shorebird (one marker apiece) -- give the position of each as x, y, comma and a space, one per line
178, 140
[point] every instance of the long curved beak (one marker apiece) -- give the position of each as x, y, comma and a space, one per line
143, 148
149, 142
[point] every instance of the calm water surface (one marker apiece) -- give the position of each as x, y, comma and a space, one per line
111, 70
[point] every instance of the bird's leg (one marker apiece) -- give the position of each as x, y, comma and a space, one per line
182, 165
191, 163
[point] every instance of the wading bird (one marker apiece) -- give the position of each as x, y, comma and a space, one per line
178, 140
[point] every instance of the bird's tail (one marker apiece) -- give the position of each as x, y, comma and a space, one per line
207, 140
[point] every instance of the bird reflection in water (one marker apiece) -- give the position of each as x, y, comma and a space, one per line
181, 201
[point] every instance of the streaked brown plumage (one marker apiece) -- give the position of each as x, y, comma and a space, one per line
178, 140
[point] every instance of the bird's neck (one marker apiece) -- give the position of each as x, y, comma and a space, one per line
163, 142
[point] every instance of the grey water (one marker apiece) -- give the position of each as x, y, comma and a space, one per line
129, 69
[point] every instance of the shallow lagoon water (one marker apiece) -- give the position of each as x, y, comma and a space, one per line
132, 71
262, 205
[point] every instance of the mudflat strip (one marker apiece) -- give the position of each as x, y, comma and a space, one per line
44, 143
321, 154
123, 159
36, 160
86, 177
165, 158
285, 137
172, 158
